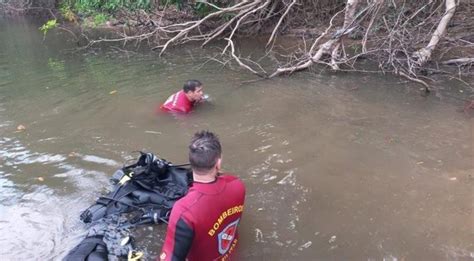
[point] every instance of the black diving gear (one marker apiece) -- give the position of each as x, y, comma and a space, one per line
142, 193
149, 181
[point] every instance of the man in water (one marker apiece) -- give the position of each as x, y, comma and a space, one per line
203, 224
184, 100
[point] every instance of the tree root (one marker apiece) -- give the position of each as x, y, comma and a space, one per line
390, 37
424, 54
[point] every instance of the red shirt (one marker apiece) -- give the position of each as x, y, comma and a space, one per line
203, 224
177, 102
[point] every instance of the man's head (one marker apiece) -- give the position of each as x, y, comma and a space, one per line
205, 153
193, 90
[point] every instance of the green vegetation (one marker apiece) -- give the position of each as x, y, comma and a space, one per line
100, 18
67, 13
177, 3
202, 9
100, 10
93, 6
51, 24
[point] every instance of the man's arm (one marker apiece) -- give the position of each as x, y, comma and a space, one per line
179, 237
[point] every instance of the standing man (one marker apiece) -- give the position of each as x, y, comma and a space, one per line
203, 224
184, 100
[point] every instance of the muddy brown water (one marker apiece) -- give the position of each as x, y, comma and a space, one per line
337, 166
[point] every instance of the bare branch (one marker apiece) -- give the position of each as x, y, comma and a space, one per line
414, 79
242, 5
231, 44
461, 61
424, 54
280, 21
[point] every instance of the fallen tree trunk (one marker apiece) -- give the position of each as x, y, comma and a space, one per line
424, 54
459, 61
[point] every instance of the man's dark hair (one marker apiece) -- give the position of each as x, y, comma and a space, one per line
204, 151
191, 85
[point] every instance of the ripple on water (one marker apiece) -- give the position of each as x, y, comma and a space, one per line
36, 222
14, 153
277, 223
8, 191
100, 160
35, 227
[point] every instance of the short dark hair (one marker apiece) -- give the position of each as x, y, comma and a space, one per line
191, 85
204, 151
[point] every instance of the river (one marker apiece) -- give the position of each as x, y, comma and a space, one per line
339, 166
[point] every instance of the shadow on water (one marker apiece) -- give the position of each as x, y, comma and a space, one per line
337, 167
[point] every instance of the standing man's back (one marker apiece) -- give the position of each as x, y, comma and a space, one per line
203, 224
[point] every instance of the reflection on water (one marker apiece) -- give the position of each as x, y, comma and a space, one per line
337, 167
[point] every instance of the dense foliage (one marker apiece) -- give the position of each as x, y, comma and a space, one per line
111, 6
89, 6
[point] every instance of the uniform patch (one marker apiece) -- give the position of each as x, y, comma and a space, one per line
226, 237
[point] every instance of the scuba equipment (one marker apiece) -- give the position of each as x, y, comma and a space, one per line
134, 255
152, 216
90, 249
102, 240
142, 193
149, 181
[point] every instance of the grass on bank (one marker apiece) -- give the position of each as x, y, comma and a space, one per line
97, 12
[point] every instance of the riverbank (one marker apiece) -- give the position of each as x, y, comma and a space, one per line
294, 39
